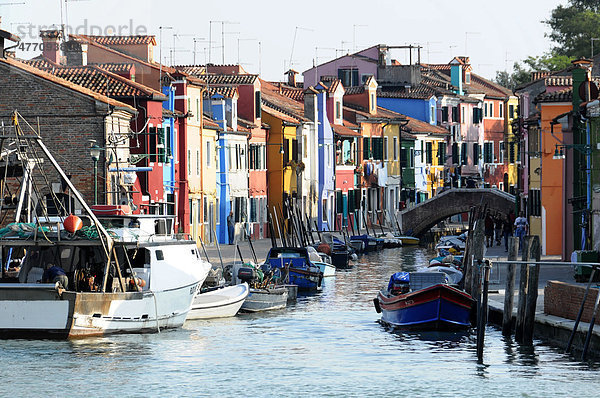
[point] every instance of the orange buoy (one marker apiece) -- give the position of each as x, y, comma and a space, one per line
73, 224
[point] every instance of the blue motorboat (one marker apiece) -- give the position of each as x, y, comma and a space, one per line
295, 266
371, 244
424, 301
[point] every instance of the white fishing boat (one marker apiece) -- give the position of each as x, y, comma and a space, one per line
121, 274
221, 302
322, 260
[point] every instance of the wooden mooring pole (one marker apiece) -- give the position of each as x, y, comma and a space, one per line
509, 294
482, 315
533, 274
528, 286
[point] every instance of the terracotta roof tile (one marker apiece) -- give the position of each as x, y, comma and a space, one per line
104, 82
225, 91
565, 95
209, 123
246, 123
344, 131
116, 68
65, 83
39, 62
272, 99
122, 40
229, 79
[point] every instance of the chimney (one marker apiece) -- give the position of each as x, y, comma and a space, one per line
51, 45
456, 75
291, 74
4, 36
76, 53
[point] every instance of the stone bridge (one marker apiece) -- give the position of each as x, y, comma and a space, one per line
419, 219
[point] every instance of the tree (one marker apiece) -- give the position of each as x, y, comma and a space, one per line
522, 71
574, 26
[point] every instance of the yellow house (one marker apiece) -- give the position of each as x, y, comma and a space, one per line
509, 148
210, 201
195, 157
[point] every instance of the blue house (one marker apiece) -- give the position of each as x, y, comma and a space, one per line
169, 167
418, 107
326, 148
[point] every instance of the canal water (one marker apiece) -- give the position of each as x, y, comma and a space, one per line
329, 344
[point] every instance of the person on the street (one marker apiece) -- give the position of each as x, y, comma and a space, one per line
498, 229
521, 225
489, 230
230, 227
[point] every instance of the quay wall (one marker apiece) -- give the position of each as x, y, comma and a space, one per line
564, 300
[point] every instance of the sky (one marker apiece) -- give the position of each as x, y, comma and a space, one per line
265, 35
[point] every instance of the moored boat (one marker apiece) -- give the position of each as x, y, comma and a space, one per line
266, 299
121, 274
294, 265
408, 240
423, 301
219, 302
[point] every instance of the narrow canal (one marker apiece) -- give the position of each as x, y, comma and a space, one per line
329, 344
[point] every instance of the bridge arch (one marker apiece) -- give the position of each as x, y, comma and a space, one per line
419, 219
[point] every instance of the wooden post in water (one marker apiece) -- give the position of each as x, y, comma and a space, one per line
483, 311
533, 275
523, 279
509, 294
476, 251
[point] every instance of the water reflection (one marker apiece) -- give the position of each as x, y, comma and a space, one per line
327, 344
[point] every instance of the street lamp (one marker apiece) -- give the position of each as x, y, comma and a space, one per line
95, 154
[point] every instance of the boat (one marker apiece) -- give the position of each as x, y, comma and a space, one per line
268, 291
221, 302
322, 260
295, 267
122, 274
370, 243
408, 240
423, 301
266, 299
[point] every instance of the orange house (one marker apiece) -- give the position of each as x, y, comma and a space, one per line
550, 204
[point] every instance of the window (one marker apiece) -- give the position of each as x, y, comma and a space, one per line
253, 209
477, 115
395, 143
429, 152
455, 155
488, 152
191, 211
464, 153
324, 210
491, 109
535, 203
205, 208
475, 153
349, 77
366, 148
197, 162
208, 153
257, 105
441, 155
444, 114
385, 148
286, 151
159, 255
373, 102
169, 149
377, 152
462, 115
501, 152
432, 114
500, 112
295, 150
485, 107
338, 110
411, 158
403, 158
511, 111
455, 116
197, 109
534, 142
511, 152
189, 162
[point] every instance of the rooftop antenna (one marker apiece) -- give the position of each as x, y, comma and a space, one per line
223, 38
354, 35
294, 42
160, 60
177, 36
197, 40
451, 46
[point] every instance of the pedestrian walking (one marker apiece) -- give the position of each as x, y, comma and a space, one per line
489, 229
521, 226
498, 229
507, 228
